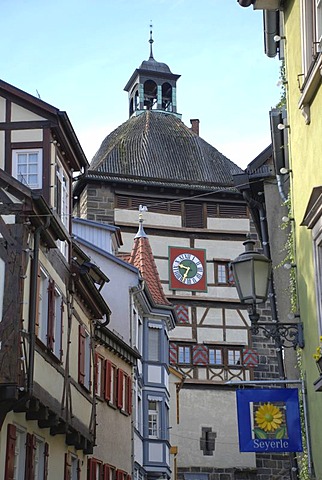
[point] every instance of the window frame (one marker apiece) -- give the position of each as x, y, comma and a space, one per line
154, 343
228, 277
186, 349
15, 160
216, 349
84, 357
153, 419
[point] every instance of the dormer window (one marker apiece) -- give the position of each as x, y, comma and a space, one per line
62, 195
27, 167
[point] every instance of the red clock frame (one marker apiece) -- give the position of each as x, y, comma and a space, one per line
174, 283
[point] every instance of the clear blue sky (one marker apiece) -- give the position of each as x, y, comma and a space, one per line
79, 54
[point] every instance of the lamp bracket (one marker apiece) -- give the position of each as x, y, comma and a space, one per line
286, 335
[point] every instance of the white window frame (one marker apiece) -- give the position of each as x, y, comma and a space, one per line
153, 419
37, 173
154, 343
73, 467
184, 354
20, 453
62, 198
87, 352
318, 19
43, 306
58, 324
317, 256
39, 462
214, 354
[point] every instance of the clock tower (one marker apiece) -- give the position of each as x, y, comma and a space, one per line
152, 86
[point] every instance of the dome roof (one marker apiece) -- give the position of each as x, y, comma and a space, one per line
155, 147
153, 66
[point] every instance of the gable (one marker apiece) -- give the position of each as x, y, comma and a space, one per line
19, 114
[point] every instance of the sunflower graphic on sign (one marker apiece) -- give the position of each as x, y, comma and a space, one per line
270, 421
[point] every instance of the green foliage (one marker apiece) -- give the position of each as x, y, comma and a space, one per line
282, 82
302, 458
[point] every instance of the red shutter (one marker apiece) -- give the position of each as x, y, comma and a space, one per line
120, 386
81, 354
129, 395
46, 455
106, 472
96, 373
51, 315
30, 457
200, 355
37, 303
67, 469
108, 374
173, 352
10, 453
91, 469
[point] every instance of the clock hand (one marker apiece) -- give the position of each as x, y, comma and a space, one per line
187, 271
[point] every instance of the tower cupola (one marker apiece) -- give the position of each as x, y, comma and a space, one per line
152, 86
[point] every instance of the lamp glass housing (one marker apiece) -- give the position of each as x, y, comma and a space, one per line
252, 271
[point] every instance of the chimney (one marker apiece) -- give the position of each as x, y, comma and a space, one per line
195, 125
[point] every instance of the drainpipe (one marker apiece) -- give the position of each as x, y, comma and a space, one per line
33, 303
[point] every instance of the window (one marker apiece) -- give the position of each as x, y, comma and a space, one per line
223, 273
137, 325
234, 357
153, 419
62, 194
72, 468
311, 30
124, 392
49, 325
26, 455
184, 354
215, 356
110, 382
154, 344
27, 167
99, 375
84, 357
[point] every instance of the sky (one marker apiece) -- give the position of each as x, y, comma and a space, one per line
78, 55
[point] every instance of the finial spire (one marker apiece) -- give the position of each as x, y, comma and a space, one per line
141, 233
151, 41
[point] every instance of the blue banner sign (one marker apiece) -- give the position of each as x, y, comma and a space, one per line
269, 420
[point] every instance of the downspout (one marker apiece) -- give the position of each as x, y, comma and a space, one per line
33, 303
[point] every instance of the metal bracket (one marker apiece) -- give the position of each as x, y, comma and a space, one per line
286, 335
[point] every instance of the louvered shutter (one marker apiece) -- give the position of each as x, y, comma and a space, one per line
51, 315
129, 395
37, 304
108, 373
106, 472
194, 215
10, 452
95, 373
200, 355
67, 468
120, 386
46, 456
81, 354
30, 457
173, 351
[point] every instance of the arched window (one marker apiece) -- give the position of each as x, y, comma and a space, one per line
167, 97
150, 95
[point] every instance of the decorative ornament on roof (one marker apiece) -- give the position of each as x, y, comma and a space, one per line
141, 233
151, 41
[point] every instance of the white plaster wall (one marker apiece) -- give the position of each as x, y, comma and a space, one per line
228, 224
213, 317
224, 293
237, 336
233, 318
181, 332
138, 449
206, 335
2, 146
48, 377
21, 114
2, 109
116, 292
220, 248
150, 218
27, 135
209, 408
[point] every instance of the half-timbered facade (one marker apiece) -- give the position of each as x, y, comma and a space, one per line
49, 297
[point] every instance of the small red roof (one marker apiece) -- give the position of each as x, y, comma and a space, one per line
142, 258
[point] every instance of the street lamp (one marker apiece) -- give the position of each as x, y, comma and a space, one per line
252, 274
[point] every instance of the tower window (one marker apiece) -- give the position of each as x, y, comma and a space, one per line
194, 216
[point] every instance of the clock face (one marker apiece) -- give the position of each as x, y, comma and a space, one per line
187, 269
